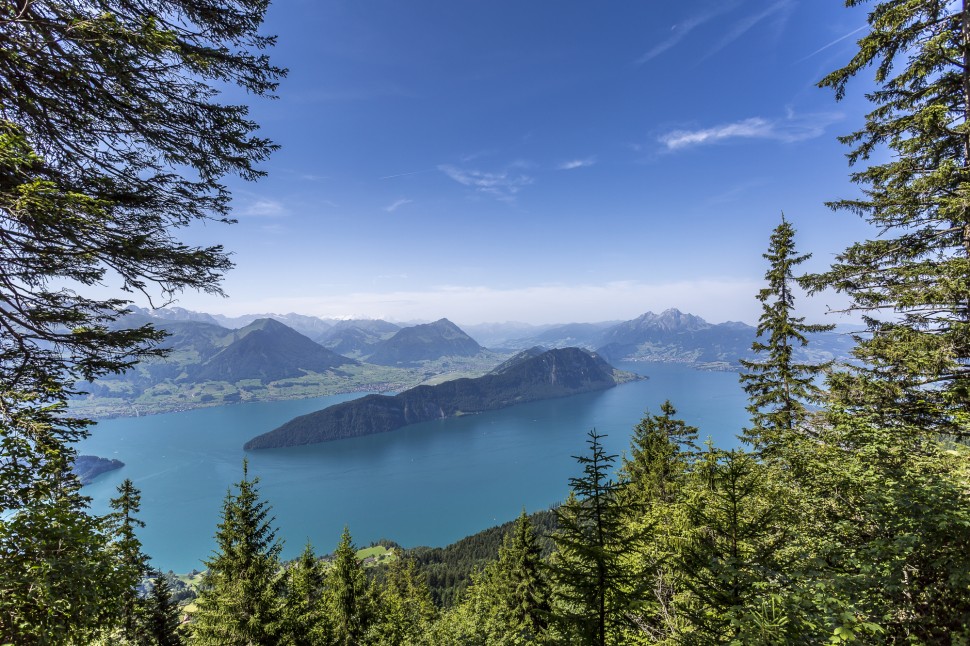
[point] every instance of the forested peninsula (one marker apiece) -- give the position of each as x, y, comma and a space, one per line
529, 376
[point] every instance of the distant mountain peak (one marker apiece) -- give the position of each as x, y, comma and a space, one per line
427, 341
670, 320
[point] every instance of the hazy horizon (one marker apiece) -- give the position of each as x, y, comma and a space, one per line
541, 161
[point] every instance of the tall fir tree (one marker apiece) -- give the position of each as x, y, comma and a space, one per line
523, 591
163, 616
131, 564
349, 594
239, 601
404, 609
595, 590
111, 139
659, 453
305, 618
910, 283
662, 451
731, 562
778, 387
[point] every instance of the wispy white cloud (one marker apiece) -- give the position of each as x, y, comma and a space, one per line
396, 204
577, 163
781, 10
406, 174
832, 44
682, 29
262, 208
504, 185
476, 155
735, 193
791, 129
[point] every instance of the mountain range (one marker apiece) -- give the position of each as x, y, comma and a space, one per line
210, 364
531, 375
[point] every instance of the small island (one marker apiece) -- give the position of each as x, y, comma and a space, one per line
89, 467
529, 376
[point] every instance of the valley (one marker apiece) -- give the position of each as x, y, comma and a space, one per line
286, 357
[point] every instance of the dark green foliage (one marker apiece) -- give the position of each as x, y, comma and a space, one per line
449, 569
89, 467
429, 341
890, 532
403, 607
508, 601
239, 601
910, 283
593, 584
306, 621
730, 562
662, 451
131, 564
270, 351
163, 616
657, 458
778, 388
524, 593
110, 140
56, 575
555, 373
348, 594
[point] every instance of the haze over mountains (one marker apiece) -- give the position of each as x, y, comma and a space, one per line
669, 336
292, 356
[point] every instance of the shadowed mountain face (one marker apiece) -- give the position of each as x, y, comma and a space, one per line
424, 343
269, 351
527, 377
89, 467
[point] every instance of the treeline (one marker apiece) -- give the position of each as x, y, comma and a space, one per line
828, 528
845, 517
448, 570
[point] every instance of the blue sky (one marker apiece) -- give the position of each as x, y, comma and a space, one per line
541, 161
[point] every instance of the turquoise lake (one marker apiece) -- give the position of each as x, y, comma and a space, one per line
427, 484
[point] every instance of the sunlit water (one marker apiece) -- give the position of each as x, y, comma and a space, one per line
427, 484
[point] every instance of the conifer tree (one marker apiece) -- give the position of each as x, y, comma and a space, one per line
111, 139
777, 386
306, 621
163, 615
731, 563
131, 564
662, 452
657, 455
523, 593
57, 573
910, 283
405, 610
348, 593
239, 601
594, 588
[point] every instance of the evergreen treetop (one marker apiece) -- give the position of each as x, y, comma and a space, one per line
911, 283
239, 602
778, 387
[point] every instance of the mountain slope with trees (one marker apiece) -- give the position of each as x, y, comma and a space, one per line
424, 342
269, 351
553, 373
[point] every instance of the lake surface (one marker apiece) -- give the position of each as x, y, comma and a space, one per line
426, 484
